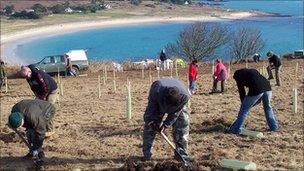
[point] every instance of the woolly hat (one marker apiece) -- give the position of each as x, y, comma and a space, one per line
15, 119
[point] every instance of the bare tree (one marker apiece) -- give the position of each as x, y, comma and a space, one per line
198, 41
245, 42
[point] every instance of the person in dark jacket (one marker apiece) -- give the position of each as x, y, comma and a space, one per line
41, 83
35, 115
274, 63
256, 57
163, 59
167, 95
259, 90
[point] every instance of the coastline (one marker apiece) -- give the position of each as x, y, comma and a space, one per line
8, 42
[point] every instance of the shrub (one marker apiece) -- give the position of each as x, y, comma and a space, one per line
26, 15
135, 2
38, 8
58, 9
94, 8
83, 8
33, 15
9, 9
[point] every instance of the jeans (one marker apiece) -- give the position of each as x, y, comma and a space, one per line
247, 104
192, 85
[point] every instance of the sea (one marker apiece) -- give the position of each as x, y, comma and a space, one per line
283, 34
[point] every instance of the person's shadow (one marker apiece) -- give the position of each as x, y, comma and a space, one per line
18, 163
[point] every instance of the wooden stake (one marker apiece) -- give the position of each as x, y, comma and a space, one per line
176, 69
229, 69
99, 87
143, 73
58, 76
150, 76
212, 68
114, 81
295, 100
297, 70
6, 86
58, 99
61, 88
158, 74
171, 71
246, 63
105, 73
129, 101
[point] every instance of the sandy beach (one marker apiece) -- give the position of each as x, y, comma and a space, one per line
10, 41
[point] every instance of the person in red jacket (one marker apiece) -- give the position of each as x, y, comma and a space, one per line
220, 74
192, 76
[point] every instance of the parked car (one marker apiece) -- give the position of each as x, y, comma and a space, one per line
57, 63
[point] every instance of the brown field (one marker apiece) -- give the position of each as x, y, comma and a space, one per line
94, 134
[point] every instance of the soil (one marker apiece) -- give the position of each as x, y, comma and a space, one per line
93, 133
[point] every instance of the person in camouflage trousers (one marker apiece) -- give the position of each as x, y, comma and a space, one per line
167, 95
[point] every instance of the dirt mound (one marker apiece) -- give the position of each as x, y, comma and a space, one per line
168, 165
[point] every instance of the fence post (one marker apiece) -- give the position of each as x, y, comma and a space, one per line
61, 88
114, 81
157, 74
229, 69
171, 71
212, 68
150, 76
176, 69
58, 75
99, 87
129, 100
295, 100
6, 86
105, 73
246, 63
142, 73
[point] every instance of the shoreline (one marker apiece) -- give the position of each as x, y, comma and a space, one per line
9, 42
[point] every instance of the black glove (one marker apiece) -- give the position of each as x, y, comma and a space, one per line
154, 125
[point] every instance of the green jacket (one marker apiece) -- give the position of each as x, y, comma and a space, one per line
37, 115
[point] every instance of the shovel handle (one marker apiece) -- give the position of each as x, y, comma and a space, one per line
168, 141
173, 147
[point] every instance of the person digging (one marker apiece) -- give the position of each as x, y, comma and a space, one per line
167, 95
35, 115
